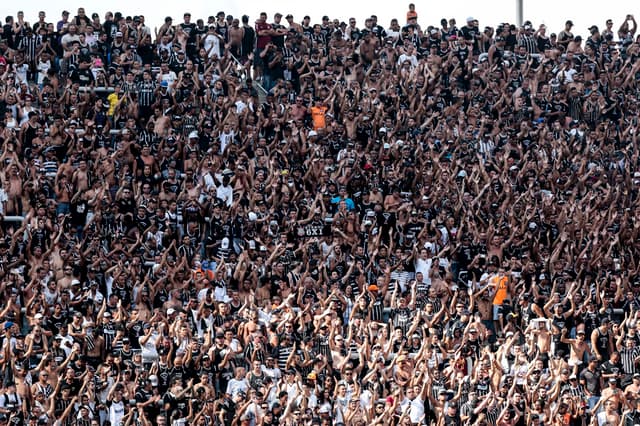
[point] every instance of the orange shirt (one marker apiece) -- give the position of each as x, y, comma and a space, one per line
318, 116
501, 289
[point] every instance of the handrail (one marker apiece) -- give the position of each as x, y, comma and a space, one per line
255, 83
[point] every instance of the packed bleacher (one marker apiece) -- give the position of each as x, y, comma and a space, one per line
264, 220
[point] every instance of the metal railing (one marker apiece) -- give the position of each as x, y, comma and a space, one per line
262, 92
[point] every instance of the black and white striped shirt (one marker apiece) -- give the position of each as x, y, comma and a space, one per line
402, 318
283, 356
627, 358
377, 309
146, 93
485, 148
30, 45
109, 334
528, 42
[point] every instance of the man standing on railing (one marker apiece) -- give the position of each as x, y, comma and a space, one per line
279, 31
264, 32
236, 34
248, 39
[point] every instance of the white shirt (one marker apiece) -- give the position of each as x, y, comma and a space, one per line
417, 409
170, 78
411, 58
116, 412
225, 193
274, 373
234, 386
43, 67
208, 181
424, 266
3, 199
226, 139
393, 34
67, 39
211, 41
313, 401
240, 106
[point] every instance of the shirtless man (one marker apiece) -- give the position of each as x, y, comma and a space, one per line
368, 48
80, 177
632, 391
298, 110
160, 122
609, 416
482, 299
147, 159
351, 123
236, 34
578, 347
611, 395
542, 335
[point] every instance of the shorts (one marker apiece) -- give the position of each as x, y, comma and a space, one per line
257, 60
497, 312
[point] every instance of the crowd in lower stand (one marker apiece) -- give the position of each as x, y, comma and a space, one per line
231, 221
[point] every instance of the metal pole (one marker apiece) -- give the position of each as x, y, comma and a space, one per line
519, 8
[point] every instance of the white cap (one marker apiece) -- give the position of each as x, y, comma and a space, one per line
470, 19
462, 173
400, 142
74, 282
386, 145
171, 311
37, 316
252, 217
382, 130
193, 135
313, 133
153, 379
430, 246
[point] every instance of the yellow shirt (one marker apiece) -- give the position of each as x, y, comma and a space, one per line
113, 101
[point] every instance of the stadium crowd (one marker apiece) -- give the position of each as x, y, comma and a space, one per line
262, 222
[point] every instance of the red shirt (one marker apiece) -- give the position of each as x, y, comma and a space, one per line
262, 40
